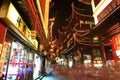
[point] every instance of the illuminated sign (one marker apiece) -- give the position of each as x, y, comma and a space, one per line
12, 18
35, 42
13, 15
33, 34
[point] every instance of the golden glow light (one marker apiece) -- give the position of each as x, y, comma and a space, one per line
95, 38
41, 47
12, 14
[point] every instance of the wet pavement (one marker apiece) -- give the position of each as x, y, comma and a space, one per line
50, 78
54, 78
82, 73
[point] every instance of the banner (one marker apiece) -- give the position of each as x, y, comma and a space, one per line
3, 30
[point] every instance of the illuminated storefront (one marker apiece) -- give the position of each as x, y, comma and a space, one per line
70, 63
87, 60
116, 47
17, 61
18, 47
37, 67
98, 62
20, 62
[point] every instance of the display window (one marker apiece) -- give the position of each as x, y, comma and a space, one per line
70, 62
98, 62
29, 66
17, 62
87, 61
37, 67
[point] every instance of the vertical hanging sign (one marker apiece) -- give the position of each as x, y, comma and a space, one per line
3, 30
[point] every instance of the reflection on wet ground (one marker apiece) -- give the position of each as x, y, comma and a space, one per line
79, 72
55, 78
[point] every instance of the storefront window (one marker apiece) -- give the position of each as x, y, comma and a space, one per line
29, 67
87, 60
17, 63
70, 62
37, 67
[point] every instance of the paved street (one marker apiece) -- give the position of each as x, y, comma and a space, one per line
82, 73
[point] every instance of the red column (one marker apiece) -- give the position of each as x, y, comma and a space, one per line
115, 46
103, 52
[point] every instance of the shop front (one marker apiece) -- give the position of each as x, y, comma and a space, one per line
116, 48
19, 62
18, 50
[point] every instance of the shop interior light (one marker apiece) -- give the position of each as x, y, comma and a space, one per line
118, 52
70, 63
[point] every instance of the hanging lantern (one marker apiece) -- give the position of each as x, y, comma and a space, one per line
33, 34
41, 47
45, 53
